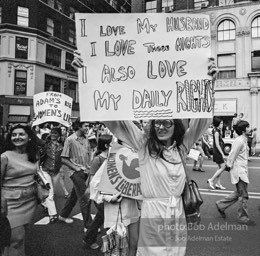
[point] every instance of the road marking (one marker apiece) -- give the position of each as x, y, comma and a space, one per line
209, 165
204, 191
254, 195
43, 221
225, 191
79, 216
46, 220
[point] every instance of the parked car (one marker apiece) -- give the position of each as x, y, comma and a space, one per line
227, 145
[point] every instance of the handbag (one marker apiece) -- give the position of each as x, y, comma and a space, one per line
43, 187
115, 242
191, 197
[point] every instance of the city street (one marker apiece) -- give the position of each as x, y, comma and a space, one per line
214, 236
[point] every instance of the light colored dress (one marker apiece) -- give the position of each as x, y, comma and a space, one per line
163, 225
19, 189
129, 210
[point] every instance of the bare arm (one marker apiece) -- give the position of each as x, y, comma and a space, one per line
196, 128
236, 147
4, 162
127, 132
71, 165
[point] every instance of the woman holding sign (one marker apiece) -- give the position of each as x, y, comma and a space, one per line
163, 222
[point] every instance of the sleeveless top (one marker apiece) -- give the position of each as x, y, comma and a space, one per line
19, 170
221, 142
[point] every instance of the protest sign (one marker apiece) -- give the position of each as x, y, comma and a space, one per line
121, 173
52, 107
144, 66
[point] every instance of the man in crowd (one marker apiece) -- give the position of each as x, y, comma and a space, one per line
77, 156
237, 164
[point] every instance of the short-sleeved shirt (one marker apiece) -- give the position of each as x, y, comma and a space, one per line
238, 160
77, 149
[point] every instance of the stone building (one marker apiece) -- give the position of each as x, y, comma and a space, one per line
235, 34
37, 40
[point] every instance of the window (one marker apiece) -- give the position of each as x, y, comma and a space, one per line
226, 30
255, 61
114, 3
20, 82
50, 3
57, 29
0, 14
21, 48
72, 13
72, 36
58, 6
70, 89
50, 26
151, 6
23, 16
227, 66
52, 83
227, 74
256, 27
198, 4
53, 56
69, 59
167, 5
122, 9
225, 2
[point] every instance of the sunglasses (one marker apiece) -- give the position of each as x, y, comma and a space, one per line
166, 123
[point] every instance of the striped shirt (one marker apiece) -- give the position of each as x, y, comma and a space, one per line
77, 149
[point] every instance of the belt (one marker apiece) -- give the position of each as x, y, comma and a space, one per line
15, 193
172, 203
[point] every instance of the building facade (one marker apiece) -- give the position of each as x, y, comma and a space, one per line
235, 34
37, 40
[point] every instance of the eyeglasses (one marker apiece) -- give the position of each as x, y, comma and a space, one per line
166, 123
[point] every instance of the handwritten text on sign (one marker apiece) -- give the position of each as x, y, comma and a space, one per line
52, 107
144, 66
121, 173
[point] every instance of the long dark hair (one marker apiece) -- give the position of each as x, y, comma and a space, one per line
155, 146
103, 140
31, 148
216, 121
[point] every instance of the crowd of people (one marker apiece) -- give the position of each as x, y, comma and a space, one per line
81, 151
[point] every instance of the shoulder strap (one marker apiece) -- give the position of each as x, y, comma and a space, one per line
119, 213
184, 165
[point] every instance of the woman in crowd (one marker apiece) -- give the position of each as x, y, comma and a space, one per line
162, 176
198, 146
19, 164
37, 131
2, 140
253, 146
51, 163
162, 179
100, 156
64, 136
218, 154
130, 212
